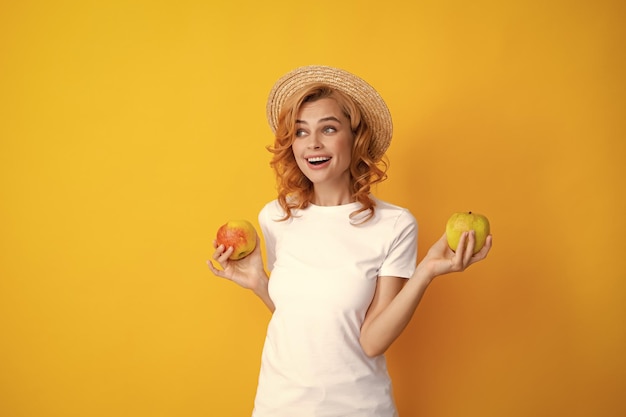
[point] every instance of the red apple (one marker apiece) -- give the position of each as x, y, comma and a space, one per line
238, 234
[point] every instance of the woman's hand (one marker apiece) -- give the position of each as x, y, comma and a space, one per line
246, 272
441, 260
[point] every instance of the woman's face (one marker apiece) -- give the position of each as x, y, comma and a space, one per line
323, 144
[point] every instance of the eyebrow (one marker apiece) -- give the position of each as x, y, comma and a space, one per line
323, 119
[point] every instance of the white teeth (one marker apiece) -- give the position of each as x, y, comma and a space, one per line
318, 159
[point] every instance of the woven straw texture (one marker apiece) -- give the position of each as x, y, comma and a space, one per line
373, 107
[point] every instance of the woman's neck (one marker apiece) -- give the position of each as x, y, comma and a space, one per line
323, 196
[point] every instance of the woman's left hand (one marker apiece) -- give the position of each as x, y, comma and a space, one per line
441, 260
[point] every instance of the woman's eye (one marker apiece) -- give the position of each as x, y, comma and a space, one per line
329, 129
300, 133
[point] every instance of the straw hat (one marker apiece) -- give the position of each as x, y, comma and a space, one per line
373, 107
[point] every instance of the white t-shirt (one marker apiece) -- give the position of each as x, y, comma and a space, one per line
323, 278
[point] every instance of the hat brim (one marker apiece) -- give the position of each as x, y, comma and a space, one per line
374, 109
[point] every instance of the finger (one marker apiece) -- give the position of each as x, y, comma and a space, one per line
469, 250
217, 272
219, 250
488, 242
482, 254
223, 258
487, 247
457, 259
222, 254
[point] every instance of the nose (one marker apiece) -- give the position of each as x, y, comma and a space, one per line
314, 141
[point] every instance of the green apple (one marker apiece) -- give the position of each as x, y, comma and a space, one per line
238, 234
463, 222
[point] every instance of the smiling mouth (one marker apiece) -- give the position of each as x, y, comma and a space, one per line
318, 160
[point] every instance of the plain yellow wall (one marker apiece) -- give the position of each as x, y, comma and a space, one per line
130, 130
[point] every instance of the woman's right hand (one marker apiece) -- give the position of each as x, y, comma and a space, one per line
247, 272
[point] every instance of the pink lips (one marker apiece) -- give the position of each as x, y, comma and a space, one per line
316, 162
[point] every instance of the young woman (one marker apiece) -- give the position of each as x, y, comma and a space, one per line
344, 281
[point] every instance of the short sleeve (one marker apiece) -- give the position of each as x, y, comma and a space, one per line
401, 259
267, 228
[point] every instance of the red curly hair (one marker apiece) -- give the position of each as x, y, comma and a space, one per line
295, 190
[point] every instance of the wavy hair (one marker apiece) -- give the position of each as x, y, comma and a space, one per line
295, 190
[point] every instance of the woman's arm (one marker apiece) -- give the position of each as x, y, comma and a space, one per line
247, 272
396, 299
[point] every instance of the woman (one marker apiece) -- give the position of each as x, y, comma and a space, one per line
343, 282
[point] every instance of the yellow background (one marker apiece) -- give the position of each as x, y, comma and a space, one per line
131, 130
